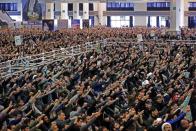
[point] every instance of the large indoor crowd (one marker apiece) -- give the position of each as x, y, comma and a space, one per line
121, 87
37, 41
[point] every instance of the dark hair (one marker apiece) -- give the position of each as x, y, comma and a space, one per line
153, 109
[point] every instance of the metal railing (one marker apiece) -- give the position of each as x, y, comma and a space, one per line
16, 66
188, 42
183, 42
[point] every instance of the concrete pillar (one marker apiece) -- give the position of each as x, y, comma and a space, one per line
96, 6
180, 13
101, 18
76, 11
140, 20
176, 15
64, 11
96, 20
49, 10
186, 8
85, 10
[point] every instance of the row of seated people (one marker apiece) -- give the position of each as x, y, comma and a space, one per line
118, 88
36, 41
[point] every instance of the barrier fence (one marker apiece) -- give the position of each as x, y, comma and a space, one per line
16, 66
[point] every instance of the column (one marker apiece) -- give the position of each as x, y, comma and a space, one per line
96, 20
131, 21
140, 20
148, 21
76, 11
49, 10
158, 24
177, 15
64, 11
57, 13
167, 22
101, 18
85, 10
186, 8
108, 21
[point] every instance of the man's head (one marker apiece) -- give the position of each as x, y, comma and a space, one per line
154, 112
159, 98
184, 123
166, 127
46, 119
54, 126
21, 103
148, 104
61, 116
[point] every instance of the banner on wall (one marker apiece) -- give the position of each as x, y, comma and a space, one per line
86, 23
48, 24
18, 40
32, 10
62, 24
75, 23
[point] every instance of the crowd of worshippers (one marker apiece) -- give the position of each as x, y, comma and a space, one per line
118, 88
37, 41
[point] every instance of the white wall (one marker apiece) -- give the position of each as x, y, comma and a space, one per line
96, 7
17, 18
140, 20
179, 13
176, 15
49, 11
85, 10
186, 8
64, 11
101, 18
76, 11
19, 8
100, 7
